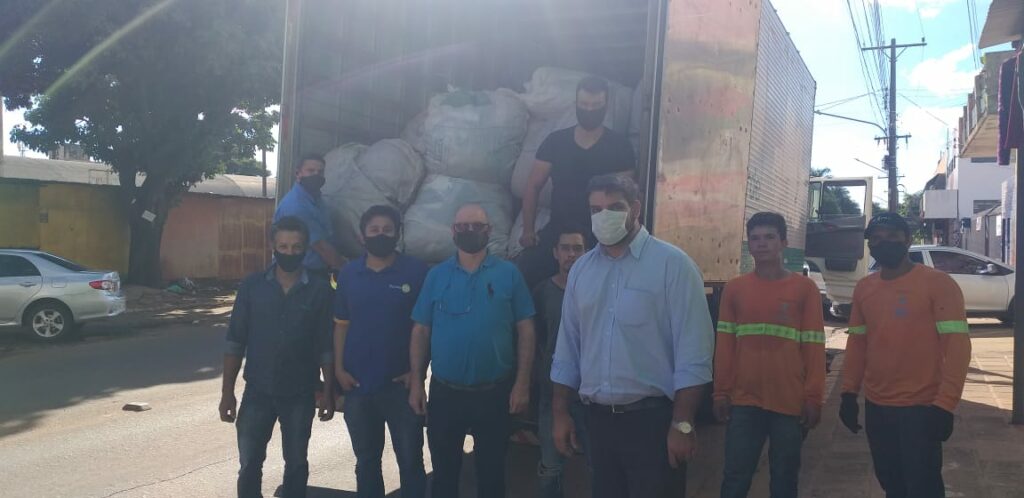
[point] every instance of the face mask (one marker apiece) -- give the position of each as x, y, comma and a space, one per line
312, 184
289, 262
590, 120
889, 254
381, 245
609, 226
472, 242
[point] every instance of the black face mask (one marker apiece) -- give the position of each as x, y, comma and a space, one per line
472, 242
590, 120
312, 184
289, 262
889, 254
381, 246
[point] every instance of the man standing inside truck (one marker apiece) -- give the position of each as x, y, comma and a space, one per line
636, 343
548, 297
281, 325
474, 326
304, 202
909, 348
769, 364
570, 158
372, 310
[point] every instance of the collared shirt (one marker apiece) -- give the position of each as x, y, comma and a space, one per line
313, 213
634, 326
472, 317
283, 337
378, 307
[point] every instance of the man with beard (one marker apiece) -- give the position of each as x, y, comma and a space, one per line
372, 309
303, 202
635, 342
909, 348
570, 158
473, 325
281, 325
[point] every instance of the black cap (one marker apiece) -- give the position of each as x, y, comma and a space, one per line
891, 221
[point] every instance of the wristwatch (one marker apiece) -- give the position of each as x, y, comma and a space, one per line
683, 427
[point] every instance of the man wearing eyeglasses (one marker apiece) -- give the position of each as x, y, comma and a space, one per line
474, 326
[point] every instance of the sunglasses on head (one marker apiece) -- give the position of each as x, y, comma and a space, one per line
471, 227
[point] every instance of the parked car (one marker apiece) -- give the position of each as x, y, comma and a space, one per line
987, 284
51, 296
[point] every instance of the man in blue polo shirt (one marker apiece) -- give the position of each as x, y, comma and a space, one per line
372, 309
474, 326
303, 202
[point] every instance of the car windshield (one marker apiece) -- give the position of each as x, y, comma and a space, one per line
63, 263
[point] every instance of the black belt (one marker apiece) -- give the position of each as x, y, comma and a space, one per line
471, 388
643, 404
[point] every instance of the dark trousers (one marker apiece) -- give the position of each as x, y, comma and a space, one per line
748, 428
549, 468
366, 415
907, 458
256, 418
629, 454
454, 413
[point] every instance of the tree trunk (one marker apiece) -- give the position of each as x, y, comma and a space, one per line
147, 207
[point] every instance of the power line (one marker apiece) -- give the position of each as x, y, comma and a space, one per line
972, 24
864, 66
836, 103
926, 111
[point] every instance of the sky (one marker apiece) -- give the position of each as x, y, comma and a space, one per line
933, 83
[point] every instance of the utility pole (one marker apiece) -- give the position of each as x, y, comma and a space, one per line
890, 159
265, 172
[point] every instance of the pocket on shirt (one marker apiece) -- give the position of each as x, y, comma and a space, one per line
636, 307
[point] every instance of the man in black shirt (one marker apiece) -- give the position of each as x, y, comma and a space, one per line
570, 158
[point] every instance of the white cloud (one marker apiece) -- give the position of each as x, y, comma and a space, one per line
941, 77
929, 8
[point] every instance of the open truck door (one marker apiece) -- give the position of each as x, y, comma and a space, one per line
839, 210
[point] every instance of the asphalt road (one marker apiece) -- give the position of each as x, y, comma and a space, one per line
63, 432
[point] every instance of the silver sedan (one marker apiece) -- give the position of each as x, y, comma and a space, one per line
50, 295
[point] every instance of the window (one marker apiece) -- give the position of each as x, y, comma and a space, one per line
17, 266
958, 264
63, 263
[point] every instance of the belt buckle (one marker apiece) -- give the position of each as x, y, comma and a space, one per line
618, 409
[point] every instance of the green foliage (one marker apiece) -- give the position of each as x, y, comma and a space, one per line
164, 91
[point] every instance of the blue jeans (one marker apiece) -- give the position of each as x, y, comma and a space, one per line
549, 469
365, 415
748, 428
256, 418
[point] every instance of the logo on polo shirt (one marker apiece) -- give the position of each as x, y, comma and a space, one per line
405, 288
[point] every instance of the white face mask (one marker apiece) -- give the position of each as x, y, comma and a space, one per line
609, 226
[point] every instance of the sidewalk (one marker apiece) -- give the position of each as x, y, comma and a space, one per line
984, 458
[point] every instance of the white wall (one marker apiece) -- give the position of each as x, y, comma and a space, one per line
977, 181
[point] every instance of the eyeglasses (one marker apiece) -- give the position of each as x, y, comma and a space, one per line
471, 227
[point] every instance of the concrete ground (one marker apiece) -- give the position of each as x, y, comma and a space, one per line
63, 432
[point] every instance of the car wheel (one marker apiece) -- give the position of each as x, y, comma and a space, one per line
1007, 319
49, 321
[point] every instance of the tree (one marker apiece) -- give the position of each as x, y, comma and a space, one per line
910, 209
164, 91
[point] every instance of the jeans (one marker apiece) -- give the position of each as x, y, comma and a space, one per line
549, 469
256, 418
365, 415
748, 428
454, 413
629, 454
907, 458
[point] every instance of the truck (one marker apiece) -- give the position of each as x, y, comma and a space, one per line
726, 104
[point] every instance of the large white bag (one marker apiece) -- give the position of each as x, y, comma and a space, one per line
428, 234
551, 93
475, 135
395, 168
536, 133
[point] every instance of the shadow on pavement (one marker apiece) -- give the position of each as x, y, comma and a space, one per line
41, 381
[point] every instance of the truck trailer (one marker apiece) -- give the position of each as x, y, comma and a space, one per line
725, 103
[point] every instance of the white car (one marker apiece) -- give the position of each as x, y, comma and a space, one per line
51, 296
987, 284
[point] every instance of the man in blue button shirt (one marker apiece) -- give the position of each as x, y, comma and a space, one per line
474, 326
372, 313
303, 201
281, 325
636, 343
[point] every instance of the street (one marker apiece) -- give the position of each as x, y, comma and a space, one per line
63, 432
